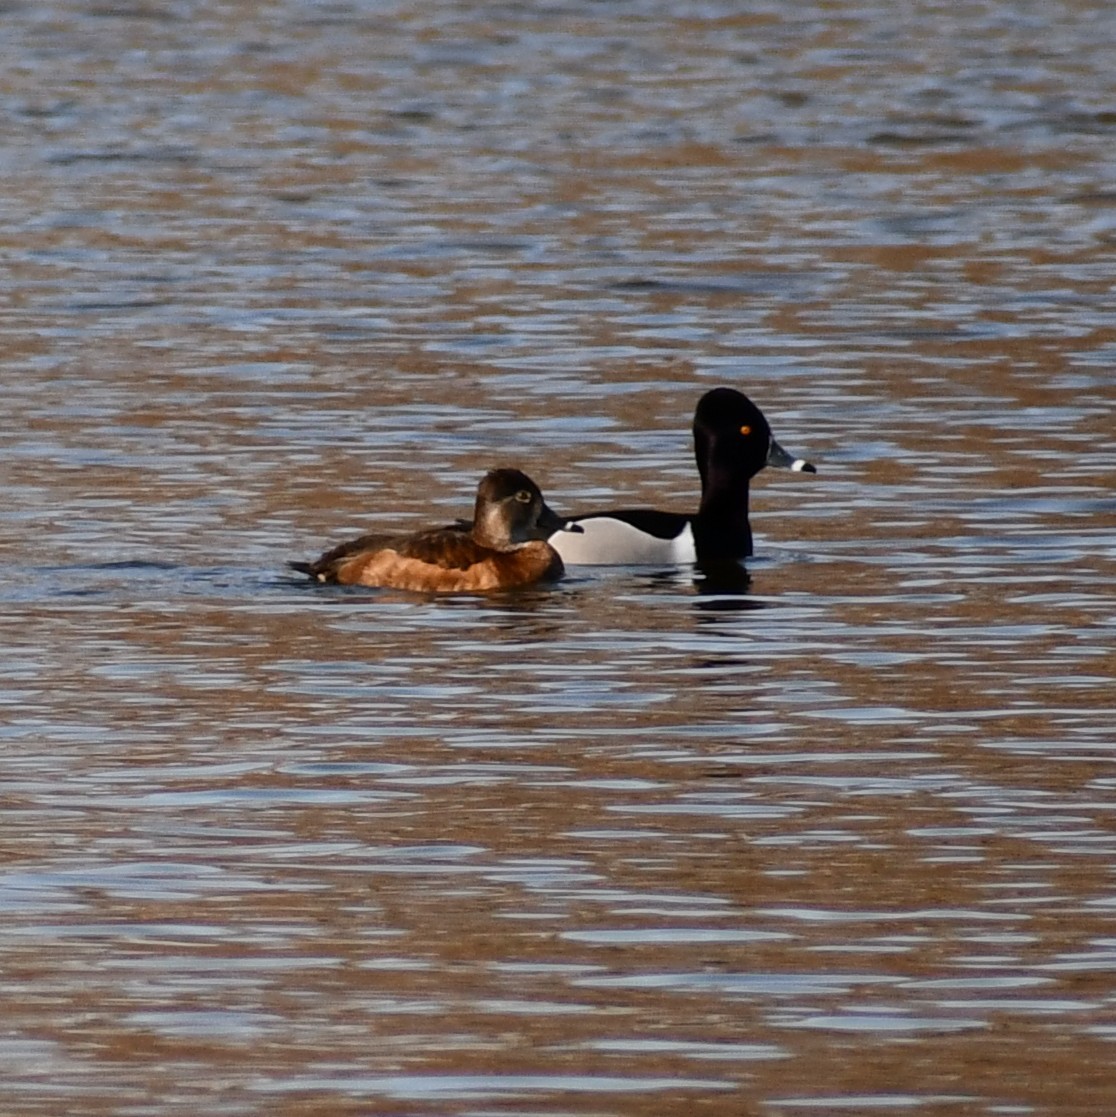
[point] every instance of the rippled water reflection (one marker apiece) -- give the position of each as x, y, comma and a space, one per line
836, 841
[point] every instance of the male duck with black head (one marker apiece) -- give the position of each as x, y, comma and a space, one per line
505, 546
732, 443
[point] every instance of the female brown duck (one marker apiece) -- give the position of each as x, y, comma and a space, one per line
505, 546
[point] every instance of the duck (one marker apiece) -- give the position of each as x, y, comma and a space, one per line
732, 443
503, 547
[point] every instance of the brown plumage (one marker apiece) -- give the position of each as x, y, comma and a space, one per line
505, 546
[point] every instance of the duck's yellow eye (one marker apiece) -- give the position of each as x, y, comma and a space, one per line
745, 430
523, 496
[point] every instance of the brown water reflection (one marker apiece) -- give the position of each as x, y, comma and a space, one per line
839, 841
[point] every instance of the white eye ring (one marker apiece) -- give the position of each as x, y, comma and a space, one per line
523, 496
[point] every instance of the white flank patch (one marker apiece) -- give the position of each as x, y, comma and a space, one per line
608, 542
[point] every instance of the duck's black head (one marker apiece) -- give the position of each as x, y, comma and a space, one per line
733, 440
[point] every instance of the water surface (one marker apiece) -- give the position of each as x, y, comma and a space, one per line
839, 840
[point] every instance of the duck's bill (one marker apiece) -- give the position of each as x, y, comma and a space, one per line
780, 459
550, 522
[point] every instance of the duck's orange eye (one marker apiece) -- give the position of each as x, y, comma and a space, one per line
523, 496
745, 430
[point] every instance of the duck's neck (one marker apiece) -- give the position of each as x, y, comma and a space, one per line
721, 528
